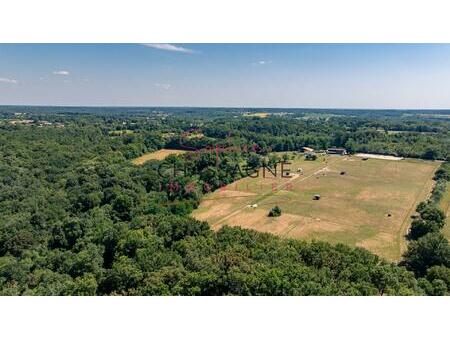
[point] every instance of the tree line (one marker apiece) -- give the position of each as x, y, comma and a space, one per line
77, 218
428, 254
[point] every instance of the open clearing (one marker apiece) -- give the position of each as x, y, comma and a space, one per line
157, 155
365, 203
260, 114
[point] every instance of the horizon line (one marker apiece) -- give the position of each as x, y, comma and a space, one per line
202, 107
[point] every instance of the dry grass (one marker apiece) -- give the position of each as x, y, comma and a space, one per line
157, 155
260, 115
353, 208
195, 136
121, 132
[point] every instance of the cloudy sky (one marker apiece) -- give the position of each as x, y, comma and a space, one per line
237, 75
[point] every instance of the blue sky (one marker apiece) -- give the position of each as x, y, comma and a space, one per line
237, 75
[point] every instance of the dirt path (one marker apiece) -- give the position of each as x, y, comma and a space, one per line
271, 193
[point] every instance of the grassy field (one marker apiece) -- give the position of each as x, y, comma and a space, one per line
260, 115
445, 206
156, 155
121, 132
368, 206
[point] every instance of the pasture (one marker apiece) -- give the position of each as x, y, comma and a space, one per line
156, 155
364, 203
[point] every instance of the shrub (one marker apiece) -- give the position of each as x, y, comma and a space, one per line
275, 211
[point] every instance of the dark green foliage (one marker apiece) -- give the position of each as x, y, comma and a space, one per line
428, 255
77, 218
439, 190
275, 211
428, 251
389, 136
443, 173
310, 157
431, 219
437, 281
439, 272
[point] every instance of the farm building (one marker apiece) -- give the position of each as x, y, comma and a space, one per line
307, 149
338, 151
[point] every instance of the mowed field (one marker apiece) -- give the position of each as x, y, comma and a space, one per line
156, 155
369, 206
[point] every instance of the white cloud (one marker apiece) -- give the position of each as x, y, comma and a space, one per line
10, 81
61, 72
165, 86
261, 63
171, 48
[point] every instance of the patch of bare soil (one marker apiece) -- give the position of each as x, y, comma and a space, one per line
211, 210
302, 227
258, 220
383, 243
368, 194
287, 225
225, 193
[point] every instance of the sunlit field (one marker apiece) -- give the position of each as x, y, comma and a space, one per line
364, 203
157, 155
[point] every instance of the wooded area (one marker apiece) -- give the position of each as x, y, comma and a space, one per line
78, 218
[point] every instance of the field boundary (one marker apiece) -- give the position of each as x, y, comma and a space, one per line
405, 226
356, 209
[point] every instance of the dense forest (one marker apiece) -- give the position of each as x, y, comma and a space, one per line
77, 218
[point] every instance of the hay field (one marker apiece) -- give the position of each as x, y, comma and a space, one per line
369, 206
260, 115
156, 155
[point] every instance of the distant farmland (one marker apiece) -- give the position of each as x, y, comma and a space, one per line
156, 155
365, 203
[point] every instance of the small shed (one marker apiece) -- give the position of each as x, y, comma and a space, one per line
316, 197
337, 151
307, 149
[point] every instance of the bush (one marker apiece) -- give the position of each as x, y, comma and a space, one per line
275, 211
428, 251
310, 157
431, 219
